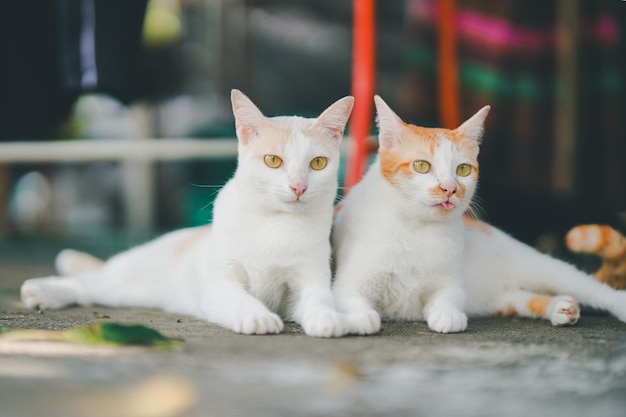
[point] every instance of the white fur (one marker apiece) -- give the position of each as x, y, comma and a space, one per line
396, 254
266, 255
503, 272
397, 258
394, 260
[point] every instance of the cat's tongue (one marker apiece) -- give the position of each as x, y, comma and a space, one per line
447, 205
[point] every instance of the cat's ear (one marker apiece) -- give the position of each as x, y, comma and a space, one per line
389, 124
248, 118
334, 119
474, 126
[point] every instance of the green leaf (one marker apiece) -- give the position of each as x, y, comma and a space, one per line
108, 333
124, 334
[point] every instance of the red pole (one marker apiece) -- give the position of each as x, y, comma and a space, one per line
363, 81
448, 66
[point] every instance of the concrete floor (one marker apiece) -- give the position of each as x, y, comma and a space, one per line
499, 366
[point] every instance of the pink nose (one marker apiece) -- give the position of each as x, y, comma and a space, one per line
298, 190
448, 189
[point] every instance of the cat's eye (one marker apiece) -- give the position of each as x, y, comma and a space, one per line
463, 170
273, 161
319, 162
421, 166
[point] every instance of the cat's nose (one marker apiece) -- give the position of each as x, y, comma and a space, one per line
448, 189
298, 190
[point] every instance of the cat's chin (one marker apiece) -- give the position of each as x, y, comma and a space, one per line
294, 205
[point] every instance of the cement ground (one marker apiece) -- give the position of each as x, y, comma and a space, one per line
499, 366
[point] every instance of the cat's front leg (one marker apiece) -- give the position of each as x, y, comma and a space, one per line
315, 311
444, 311
227, 303
362, 318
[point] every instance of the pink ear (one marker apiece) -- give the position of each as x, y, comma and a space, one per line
248, 118
474, 126
389, 124
334, 118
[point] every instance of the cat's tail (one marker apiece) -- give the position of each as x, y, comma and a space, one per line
608, 244
72, 262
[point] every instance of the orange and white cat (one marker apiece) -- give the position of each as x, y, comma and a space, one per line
266, 254
405, 249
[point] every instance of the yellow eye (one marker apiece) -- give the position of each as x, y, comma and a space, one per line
273, 161
463, 170
319, 162
421, 166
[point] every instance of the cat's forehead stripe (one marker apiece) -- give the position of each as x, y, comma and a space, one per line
392, 164
434, 134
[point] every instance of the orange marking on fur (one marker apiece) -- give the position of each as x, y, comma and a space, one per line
537, 305
392, 164
189, 242
476, 224
432, 134
603, 241
337, 208
460, 191
614, 243
509, 311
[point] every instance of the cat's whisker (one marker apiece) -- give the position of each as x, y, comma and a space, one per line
207, 205
212, 197
475, 210
206, 185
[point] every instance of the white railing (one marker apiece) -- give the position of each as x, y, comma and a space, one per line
136, 157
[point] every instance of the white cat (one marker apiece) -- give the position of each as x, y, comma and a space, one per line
266, 255
404, 248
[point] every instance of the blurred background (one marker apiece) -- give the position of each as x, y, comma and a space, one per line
123, 79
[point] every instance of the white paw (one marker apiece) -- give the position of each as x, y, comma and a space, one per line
363, 322
447, 321
325, 324
258, 323
565, 310
44, 293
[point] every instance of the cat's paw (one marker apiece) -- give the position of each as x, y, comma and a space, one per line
45, 293
325, 324
447, 321
258, 323
363, 322
565, 311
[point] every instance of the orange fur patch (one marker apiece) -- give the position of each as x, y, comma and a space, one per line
189, 242
476, 224
603, 241
537, 305
509, 311
392, 164
337, 208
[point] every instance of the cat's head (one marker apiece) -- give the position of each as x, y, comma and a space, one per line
289, 162
435, 169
